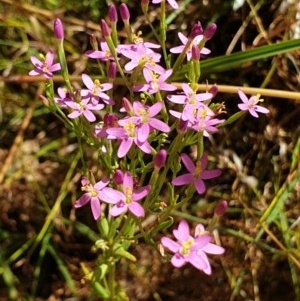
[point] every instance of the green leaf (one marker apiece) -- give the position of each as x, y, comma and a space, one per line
120, 251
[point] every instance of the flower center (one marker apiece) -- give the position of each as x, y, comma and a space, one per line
186, 247
128, 194
198, 170
130, 128
144, 114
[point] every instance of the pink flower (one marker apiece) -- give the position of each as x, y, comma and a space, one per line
93, 195
251, 104
186, 247
46, 67
96, 90
197, 39
104, 54
145, 121
204, 121
142, 57
83, 108
155, 83
173, 3
192, 102
64, 95
196, 174
128, 135
208, 248
127, 199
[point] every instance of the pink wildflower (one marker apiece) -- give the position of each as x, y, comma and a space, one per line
251, 104
128, 135
155, 82
197, 39
83, 107
96, 90
93, 195
186, 247
64, 95
145, 121
46, 67
142, 57
196, 173
127, 199
103, 54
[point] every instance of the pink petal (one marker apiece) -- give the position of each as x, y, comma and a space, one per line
155, 109
213, 249
124, 147
118, 209
127, 182
136, 209
96, 208
183, 180
210, 174
200, 187
178, 261
159, 125
243, 97
83, 200
141, 193
170, 244
196, 261
89, 116
87, 81
188, 163
183, 231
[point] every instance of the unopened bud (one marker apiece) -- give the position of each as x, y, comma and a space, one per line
195, 53
58, 29
118, 177
127, 106
104, 28
112, 14
196, 30
112, 70
221, 208
209, 32
213, 90
124, 12
160, 159
110, 120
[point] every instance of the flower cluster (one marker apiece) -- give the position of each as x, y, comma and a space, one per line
149, 134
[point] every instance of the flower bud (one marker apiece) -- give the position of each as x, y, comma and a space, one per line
58, 29
213, 90
104, 28
118, 177
127, 106
221, 208
196, 30
195, 53
145, 5
125, 15
112, 70
110, 120
210, 31
112, 14
160, 159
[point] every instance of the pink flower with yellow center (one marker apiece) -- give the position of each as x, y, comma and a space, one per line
127, 199
196, 173
45, 67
